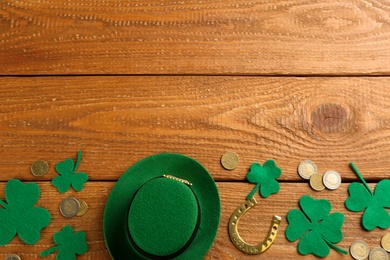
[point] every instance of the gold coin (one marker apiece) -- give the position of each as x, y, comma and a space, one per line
83, 208
385, 242
39, 168
378, 253
69, 207
12, 257
306, 169
359, 250
316, 181
229, 161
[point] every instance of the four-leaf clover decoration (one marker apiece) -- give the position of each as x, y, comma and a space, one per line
316, 230
264, 177
68, 244
19, 216
68, 175
361, 198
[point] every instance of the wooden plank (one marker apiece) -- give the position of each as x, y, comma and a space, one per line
195, 37
253, 226
118, 121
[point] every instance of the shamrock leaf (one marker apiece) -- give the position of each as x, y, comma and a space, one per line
361, 198
19, 216
68, 244
316, 229
68, 175
264, 177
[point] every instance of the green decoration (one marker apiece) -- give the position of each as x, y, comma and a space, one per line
68, 244
19, 216
69, 175
316, 230
184, 219
178, 215
264, 177
361, 198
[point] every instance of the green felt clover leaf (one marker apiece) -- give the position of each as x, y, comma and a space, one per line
19, 216
264, 177
316, 230
69, 176
361, 198
68, 244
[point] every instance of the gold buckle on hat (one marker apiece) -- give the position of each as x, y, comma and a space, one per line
177, 179
236, 238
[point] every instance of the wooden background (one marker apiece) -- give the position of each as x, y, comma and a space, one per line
121, 80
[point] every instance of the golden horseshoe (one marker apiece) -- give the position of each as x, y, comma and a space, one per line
239, 242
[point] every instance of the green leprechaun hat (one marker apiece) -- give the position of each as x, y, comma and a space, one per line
165, 206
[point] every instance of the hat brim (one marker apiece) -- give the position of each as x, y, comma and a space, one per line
116, 210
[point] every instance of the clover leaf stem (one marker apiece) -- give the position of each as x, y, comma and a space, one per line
338, 249
2, 203
77, 161
50, 251
250, 195
355, 169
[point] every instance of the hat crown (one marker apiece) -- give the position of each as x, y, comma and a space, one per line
163, 217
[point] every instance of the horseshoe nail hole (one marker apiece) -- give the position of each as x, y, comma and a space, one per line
270, 240
246, 206
234, 223
272, 234
274, 228
239, 211
235, 217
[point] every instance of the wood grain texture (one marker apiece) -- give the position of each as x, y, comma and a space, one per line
195, 37
117, 118
253, 226
117, 121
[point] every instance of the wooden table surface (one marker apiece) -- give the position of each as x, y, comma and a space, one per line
122, 80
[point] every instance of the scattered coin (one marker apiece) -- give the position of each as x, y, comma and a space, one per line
385, 242
332, 179
306, 169
12, 257
316, 181
378, 253
229, 161
69, 207
39, 168
83, 208
359, 250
